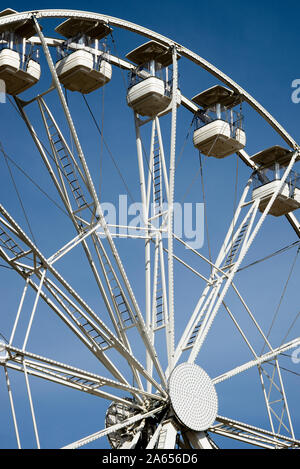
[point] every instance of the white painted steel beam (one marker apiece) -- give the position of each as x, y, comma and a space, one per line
257, 361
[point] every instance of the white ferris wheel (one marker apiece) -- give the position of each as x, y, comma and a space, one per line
172, 329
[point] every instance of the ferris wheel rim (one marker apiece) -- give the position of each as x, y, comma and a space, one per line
187, 53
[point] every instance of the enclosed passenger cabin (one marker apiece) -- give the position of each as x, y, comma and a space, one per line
272, 163
19, 67
150, 88
218, 127
83, 70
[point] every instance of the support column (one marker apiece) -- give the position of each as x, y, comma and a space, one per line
168, 435
199, 440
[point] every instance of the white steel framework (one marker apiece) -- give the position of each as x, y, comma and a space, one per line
136, 387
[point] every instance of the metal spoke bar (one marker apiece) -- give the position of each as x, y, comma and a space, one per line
111, 338
252, 435
77, 223
72, 244
170, 327
209, 293
248, 240
39, 372
97, 210
73, 324
100, 341
69, 375
113, 428
258, 361
76, 327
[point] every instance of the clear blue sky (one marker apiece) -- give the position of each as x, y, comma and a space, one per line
256, 44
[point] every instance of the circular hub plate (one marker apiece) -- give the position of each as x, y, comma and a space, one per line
193, 396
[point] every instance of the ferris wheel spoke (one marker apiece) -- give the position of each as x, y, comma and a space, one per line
69, 376
252, 435
71, 320
98, 341
123, 321
161, 181
157, 179
105, 337
85, 230
211, 290
210, 309
75, 179
88, 330
171, 321
67, 312
252, 317
113, 428
157, 316
257, 361
233, 251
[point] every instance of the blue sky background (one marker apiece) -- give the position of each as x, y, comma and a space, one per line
255, 43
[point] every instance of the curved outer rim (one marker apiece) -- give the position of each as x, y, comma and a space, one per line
163, 40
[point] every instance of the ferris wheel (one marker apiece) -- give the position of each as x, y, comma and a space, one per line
141, 299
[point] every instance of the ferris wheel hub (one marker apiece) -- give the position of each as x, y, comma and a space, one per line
193, 396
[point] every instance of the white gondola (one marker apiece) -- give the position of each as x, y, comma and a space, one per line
10, 59
77, 72
149, 93
148, 97
81, 70
22, 28
18, 70
216, 139
273, 162
218, 130
17, 78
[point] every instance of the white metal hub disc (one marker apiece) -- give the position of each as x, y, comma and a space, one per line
193, 396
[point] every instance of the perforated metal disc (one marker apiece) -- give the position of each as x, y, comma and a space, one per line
193, 396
